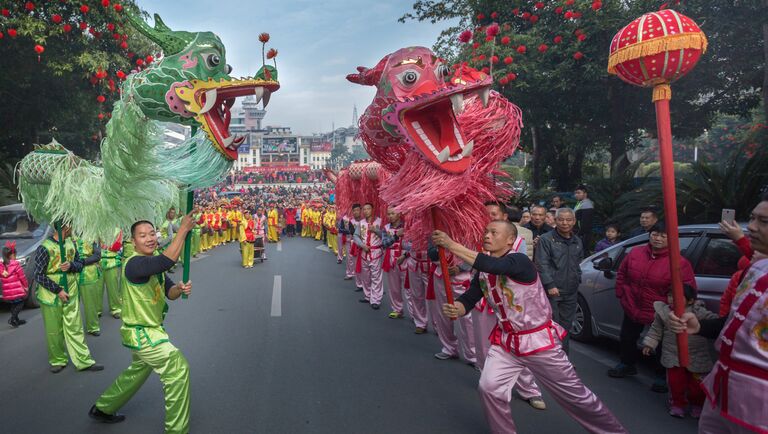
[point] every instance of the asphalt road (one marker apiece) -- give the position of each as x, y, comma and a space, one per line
285, 347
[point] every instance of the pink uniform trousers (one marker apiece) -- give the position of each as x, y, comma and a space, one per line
343, 245
395, 281
445, 327
483, 324
350, 271
553, 369
417, 303
371, 278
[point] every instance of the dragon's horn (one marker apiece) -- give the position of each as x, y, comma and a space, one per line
369, 77
170, 41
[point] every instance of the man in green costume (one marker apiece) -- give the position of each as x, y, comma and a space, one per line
57, 292
196, 231
90, 285
111, 260
145, 287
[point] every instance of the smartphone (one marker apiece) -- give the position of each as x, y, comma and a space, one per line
728, 215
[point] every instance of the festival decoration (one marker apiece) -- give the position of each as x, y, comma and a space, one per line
441, 136
653, 51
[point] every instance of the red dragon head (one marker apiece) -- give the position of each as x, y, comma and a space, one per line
417, 104
442, 135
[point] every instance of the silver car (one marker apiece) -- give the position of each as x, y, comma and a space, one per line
713, 256
16, 225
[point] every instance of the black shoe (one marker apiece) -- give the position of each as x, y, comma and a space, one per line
621, 370
363, 300
21, 322
99, 415
338, 261
659, 385
358, 289
374, 306
96, 333
13, 323
95, 367
57, 368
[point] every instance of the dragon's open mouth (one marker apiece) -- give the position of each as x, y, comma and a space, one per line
211, 102
429, 123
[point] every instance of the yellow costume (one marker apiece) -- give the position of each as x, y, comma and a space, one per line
318, 224
247, 236
272, 221
235, 218
330, 226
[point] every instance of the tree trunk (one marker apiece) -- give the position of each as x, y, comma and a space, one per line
536, 160
618, 144
577, 167
765, 64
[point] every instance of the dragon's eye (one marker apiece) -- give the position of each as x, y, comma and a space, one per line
229, 68
443, 71
409, 77
213, 60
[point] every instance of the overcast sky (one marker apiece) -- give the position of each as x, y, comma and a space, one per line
319, 43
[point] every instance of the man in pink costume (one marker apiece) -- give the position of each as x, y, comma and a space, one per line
417, 267
394, 265
737, 386
460, 278
370, 258
484, 320
353, 250
525, 335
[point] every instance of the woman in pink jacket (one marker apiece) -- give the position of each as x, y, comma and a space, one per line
13, 282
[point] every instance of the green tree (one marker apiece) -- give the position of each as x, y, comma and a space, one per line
56, 94
572, 107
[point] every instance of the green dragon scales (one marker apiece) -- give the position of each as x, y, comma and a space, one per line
140, 176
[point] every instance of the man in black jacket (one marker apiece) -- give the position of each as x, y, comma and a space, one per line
557, 257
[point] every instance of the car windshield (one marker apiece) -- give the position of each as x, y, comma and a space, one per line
19, 227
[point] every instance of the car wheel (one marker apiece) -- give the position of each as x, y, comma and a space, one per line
581, 329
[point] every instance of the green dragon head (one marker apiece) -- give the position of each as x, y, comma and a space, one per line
190, 83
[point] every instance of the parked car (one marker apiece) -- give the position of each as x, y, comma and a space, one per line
16, 225
713, 256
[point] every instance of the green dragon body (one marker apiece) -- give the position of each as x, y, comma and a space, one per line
139, 176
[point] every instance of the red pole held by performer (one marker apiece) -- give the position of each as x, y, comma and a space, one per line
443, 261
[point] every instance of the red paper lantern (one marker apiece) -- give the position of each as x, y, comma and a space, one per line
492, 30
105, 3
12, 33
39, 49
116, 36
495, 59
488, 38
568, 15
124, 45
539, 5
101, 99
526, 15
481, 57
543, 48
150, 59
6, 12
120, 75
581, 37
118, 8
597, 5
101, 116
503, 81
111, 27
56, 18
67, 28
656, 49
578, 55
534, 19
476, 45
511, 76
29, 6
84, 9
486, 70
569, 2
494, 15
516, 11
83, 25
521, 49
505, 40
2, 35
465, 36
558, 39
559, 10
140, 62
508, 60
481, 16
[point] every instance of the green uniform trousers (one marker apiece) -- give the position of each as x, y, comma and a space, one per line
111, 279
92, 294
195, 241
173, 369
64, 329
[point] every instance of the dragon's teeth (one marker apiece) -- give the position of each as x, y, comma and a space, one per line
457, 101
210, 101
484, 95
265, 99
443, 155
468, 148
259, 93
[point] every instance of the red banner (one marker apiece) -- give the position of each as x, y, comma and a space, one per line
272, 169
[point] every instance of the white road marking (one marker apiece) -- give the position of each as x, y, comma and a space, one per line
277, 309
279, 246
323, 247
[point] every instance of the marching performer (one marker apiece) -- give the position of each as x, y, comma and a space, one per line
197, 232
234, 217
90, 285
261, 232
369, 261
525, 335
143, 332
111, 260
393, 266
330, 228
247, 237
460, 278
57, 292
418, 265
305, 219
273, 235
353, 249
317, 222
